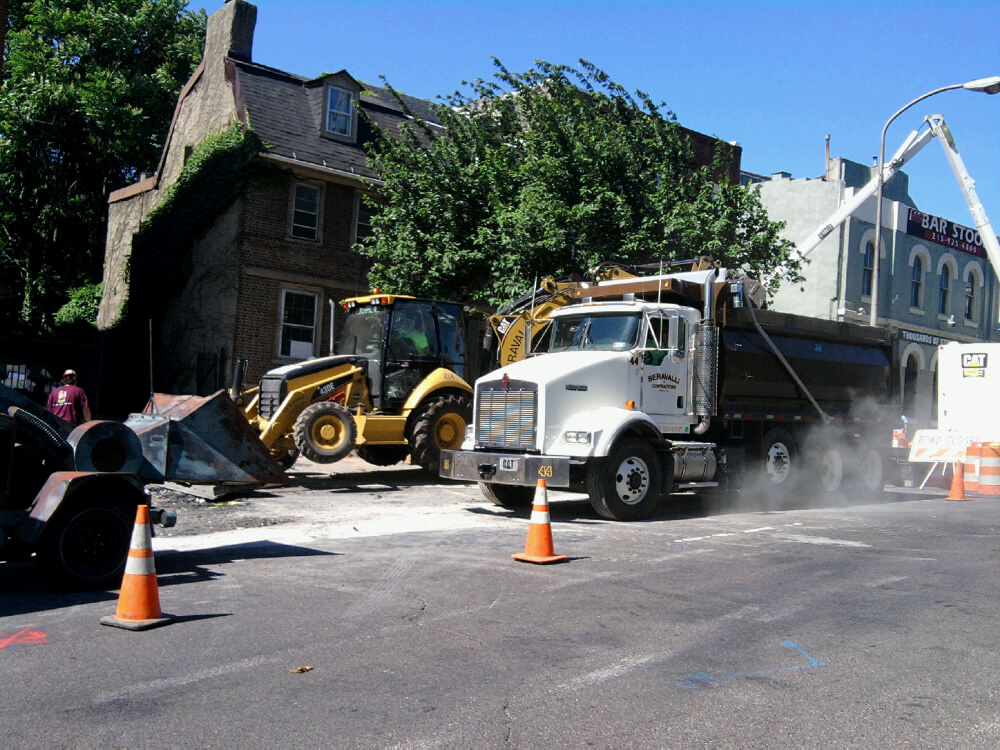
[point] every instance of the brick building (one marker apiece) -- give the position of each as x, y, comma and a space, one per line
262, 281
259, 283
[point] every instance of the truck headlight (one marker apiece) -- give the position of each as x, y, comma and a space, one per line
577, 436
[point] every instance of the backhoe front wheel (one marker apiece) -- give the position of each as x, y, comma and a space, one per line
325, 432
439, 424
382, 455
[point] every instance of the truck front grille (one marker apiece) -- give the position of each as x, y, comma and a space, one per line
272, 393
506, 417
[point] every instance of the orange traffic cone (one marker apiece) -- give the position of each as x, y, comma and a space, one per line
539, 546
139, 598
957, 482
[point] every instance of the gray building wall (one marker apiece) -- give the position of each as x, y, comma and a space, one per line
836, 271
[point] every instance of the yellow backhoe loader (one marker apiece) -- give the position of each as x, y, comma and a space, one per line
396, 387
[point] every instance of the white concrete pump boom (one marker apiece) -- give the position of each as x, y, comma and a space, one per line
937, 128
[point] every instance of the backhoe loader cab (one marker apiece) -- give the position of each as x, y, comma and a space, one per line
395, 387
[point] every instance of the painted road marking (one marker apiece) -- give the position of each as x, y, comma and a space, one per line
698, 679
733, 533
820, 540
21, 636
600, 675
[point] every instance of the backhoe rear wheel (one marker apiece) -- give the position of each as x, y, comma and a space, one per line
325, 432
439, 424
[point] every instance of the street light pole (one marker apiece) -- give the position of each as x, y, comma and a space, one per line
987, 86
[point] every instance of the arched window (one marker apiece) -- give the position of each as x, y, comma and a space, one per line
943, 289
916, 279
970, 298
869, 269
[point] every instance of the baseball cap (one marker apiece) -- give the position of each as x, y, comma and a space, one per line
69, 372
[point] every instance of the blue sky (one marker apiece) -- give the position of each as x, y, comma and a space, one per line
776, 77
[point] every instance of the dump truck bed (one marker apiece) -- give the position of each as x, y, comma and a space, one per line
847, 367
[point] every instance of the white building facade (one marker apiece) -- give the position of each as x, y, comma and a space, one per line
935, 282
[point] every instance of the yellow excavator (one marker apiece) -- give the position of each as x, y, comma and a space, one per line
395, 387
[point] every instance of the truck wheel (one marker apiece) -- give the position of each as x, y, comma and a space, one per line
781, 459
325, 432
383, 455
508, 495
831, 470
868, 470
86, 546
626, 485
438, 425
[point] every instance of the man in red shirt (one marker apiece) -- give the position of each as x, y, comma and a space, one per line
69, 401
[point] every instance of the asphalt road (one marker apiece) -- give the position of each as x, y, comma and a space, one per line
860, 625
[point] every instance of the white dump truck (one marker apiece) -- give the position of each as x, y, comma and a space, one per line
677, 380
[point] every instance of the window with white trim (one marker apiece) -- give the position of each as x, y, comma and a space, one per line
868, 272
305, 211
363, 226
339, 111
298, 323
944, 289
970, 298
916, 281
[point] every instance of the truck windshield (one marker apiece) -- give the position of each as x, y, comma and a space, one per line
362, 331
606, 332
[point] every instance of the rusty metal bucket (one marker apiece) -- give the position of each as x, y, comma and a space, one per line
201, 440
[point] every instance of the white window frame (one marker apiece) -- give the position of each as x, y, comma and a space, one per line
347, 117
359, 207
296, 212
300, 353
974, 277
946, 261
920, 253
867, 271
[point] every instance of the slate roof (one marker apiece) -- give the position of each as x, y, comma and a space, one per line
286, 111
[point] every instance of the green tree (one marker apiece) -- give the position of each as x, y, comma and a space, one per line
550, 172
87, 93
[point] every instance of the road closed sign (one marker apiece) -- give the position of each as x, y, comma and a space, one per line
933, 446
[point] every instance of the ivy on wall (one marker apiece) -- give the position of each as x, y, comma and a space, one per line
216, 173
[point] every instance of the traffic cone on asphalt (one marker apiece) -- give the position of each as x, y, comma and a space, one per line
538, 548
139, 598
957, 482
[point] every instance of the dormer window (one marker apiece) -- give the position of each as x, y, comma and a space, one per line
340, 111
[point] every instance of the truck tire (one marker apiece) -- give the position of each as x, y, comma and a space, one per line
626, 485
867, 471
439, 424
86, 545
325, 432
832, 470
383, 455
507, 495
780, 454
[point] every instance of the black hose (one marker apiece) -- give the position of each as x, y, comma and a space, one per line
46, 437
791, 371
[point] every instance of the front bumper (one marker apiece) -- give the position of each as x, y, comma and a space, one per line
505, 468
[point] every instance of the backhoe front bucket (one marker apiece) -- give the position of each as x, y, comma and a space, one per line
201, 440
